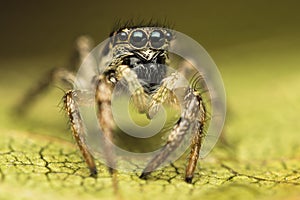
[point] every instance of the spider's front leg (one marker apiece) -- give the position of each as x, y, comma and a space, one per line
164, 94
197, 137
135, 88
71, 100
192, 119
104, 92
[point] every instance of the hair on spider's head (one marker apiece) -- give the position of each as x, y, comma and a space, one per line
122, 24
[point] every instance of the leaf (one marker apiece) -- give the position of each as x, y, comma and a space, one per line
261, 159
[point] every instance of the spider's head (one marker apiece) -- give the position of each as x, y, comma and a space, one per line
144, 43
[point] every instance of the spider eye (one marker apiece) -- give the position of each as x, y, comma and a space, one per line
157, 39
169, 36
138, 39
122, 36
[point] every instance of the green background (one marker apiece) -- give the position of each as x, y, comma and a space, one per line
256, 46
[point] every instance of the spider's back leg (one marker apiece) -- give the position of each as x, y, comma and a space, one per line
54, 75
83, 46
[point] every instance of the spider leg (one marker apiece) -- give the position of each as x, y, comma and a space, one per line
192, 119
71, 99
103, 96
165, 93
197, 137
54, 75
82, 47
104, 92
194, 153
136, 90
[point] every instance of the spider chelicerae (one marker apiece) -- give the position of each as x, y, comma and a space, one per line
139, 59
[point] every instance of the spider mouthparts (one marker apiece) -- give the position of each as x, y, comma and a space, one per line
147, 55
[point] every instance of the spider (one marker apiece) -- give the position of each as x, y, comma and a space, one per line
140, 55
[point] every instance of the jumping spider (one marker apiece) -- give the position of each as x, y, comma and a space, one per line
140, 55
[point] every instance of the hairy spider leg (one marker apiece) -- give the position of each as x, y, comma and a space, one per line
83, 45
104, 93
78, 128
189, 121
164, 94
54, 75
194, 153
135, 88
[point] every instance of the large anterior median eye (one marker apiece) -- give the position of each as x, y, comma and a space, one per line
138, 39
157, 39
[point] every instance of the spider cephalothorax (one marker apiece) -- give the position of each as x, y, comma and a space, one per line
144, 50
139, 60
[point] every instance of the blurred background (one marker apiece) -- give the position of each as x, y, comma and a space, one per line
34, 28
255, 44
